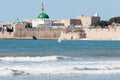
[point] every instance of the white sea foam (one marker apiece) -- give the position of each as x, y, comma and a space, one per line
22, 59
4, 72
59, 67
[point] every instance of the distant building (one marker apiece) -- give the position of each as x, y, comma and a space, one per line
67, 22
6, 27
81, 21
42, 19
89, 20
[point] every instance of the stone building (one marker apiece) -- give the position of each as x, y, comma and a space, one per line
67, 22
89, 20
6, 27
81, 20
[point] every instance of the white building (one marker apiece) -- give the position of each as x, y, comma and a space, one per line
37, 22
42, 19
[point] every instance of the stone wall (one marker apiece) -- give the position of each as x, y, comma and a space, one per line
20, 32
45, 32
74, 34
103, 34
6, 35
38, 34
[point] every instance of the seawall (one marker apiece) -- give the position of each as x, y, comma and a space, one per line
37, 34
6, 35
103, 34
20, 32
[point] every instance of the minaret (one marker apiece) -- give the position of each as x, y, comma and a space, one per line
42, 8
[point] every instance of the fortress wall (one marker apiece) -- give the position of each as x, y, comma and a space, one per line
20, 32
103, 34
72, 36
38, 33
6, 35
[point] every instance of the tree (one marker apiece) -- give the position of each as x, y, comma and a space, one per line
115, 19
103, 23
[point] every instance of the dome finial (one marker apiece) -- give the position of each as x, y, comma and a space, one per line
42, 8
43, 15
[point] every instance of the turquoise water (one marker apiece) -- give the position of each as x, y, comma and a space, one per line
52, 47
68, 60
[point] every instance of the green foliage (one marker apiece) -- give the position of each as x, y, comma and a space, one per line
103, 23
115, 19
111, 21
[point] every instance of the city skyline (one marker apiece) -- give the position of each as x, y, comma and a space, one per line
14, 9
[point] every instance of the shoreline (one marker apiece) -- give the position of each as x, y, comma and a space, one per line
85, 39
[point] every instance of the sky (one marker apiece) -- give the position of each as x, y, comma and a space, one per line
10, 10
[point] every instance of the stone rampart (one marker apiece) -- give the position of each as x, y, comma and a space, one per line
37, 33
103, 34
6, 35
20, 32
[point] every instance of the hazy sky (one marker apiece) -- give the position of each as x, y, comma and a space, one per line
10, 10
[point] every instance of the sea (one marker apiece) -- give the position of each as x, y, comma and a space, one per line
52, 60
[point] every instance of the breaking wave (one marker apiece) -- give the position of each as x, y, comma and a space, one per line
33, 59
56, 65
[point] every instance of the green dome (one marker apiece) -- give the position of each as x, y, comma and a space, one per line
43, 16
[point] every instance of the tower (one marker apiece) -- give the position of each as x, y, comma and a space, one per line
42, 8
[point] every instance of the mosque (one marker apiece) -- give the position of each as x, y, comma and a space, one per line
81, 20
42, 19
